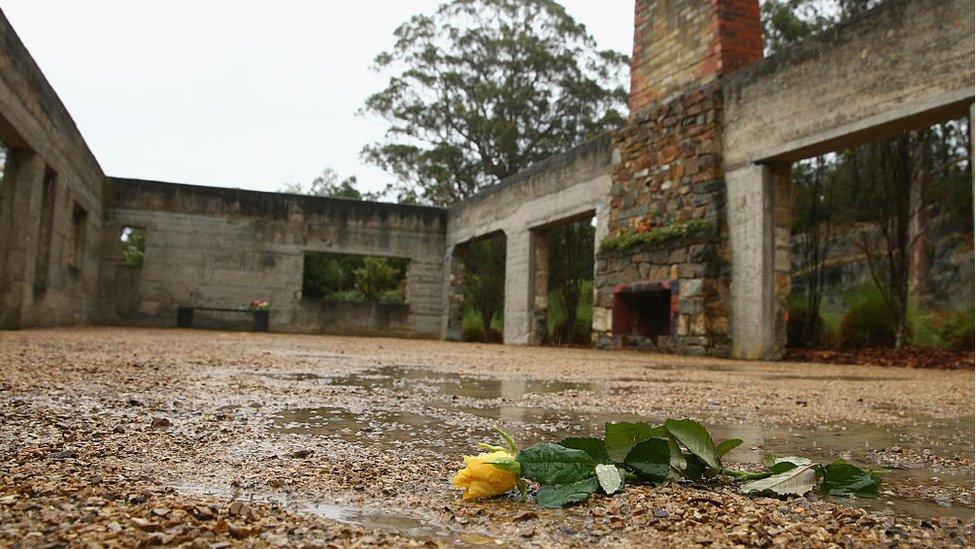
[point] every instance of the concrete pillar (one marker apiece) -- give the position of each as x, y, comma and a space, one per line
519, 287
758, 217
22, 186
539, 241
454, 317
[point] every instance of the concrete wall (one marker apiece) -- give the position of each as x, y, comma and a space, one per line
565, 186
904, 65
882, 71
50, 174
217, 247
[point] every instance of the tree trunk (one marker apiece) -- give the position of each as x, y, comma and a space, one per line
486, 317
918, 265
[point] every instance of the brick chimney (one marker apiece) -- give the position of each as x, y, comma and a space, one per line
680, 45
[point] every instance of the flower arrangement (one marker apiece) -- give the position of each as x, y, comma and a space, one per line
260, 304
677, 451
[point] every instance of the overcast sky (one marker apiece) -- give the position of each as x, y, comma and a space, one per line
233, 93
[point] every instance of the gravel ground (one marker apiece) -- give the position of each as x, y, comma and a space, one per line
120, 437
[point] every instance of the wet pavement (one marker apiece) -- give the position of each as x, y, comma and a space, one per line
348, 440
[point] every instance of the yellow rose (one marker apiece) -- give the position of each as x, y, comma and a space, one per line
481, 479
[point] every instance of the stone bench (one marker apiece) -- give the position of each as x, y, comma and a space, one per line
259, 323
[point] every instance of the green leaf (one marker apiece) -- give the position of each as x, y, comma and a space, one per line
609, 477
651, 459
678, 460
695, 438
564, 494
695, 468
782, 467
548, 463
508, 441
795, 482
621, 436
727, 446
507, 464
770, 460
591, 445
843, 479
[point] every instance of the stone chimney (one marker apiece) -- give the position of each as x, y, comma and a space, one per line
680, 45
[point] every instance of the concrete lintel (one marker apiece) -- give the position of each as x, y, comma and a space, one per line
903, 118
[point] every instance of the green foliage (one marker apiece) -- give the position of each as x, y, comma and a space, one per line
484, 280
843, 479
485, 88
805, 329
727, 446
558, 495
345, 277
547, 463
795, 476
787, 22
557, 323
621, 437
650, 459
593, 446
678, 229
952, 330
570, 281
376, 277
329, 185
574, 469
695, 438
957, 331
868, 321
133, 246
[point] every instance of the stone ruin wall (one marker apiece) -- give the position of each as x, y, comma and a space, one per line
50, 200
215, 247
668, 169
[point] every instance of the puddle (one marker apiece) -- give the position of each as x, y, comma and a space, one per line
404, 525
400, 378
827, 378
290, 376
935, 491
358, 426
378, 519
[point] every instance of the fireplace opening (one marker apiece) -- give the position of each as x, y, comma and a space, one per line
643, 311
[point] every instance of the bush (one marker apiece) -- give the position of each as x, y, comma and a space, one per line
556, 318
868, 322
957, 330
494, 335
346, 295
473, 329
805, 330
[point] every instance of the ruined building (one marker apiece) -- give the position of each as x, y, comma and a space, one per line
712, 132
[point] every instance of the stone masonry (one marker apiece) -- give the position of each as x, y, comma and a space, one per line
668, 169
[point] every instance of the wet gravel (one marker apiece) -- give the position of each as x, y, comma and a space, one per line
123, 437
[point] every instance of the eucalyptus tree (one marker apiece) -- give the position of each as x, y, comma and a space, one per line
481, 89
